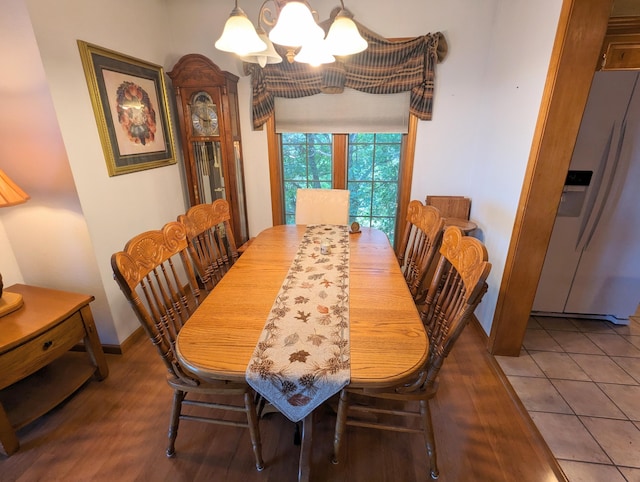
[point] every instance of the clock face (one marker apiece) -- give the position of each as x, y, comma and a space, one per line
204, 115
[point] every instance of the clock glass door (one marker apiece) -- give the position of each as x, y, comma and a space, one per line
209, 173
207, 150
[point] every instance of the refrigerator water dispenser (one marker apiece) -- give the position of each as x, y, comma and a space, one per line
574, 193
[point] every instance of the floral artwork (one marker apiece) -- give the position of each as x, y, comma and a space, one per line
302, 356
130, 104
136, 115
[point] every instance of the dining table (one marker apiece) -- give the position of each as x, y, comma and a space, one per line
386, 337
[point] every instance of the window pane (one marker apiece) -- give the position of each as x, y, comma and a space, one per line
387, 162
292, 168
372, 178
366, 138
389, 138
319, 138
385, 199
306, 163
360, 162
360, 197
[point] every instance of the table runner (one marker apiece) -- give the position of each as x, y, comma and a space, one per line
302, 356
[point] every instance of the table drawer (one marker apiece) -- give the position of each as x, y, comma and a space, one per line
29, 357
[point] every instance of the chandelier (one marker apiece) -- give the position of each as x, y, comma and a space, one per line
294, 27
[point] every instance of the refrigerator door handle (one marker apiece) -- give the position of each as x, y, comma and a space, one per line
594, 191
606, 191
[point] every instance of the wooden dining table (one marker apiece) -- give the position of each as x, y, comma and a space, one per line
388, 342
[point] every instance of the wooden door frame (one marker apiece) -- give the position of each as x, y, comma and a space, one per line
581, 30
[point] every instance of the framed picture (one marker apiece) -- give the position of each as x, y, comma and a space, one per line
129, 101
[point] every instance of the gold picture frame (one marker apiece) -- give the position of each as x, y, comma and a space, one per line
129, 100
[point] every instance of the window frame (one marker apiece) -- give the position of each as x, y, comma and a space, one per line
340, 143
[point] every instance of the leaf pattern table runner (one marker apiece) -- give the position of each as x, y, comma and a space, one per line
302, 355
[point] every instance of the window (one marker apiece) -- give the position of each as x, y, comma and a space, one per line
284, 175
371, 162
372, 178
306, 163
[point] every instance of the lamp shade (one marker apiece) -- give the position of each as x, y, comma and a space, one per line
343, 37
266, 56
295, 26
10, 193
239, 36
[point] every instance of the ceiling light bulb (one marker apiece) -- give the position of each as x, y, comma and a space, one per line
343, 37
295, 26
315, 54
266, 56
239, 36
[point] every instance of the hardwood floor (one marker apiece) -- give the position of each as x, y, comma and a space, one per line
116, 430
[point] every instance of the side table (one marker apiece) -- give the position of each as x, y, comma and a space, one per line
37, 369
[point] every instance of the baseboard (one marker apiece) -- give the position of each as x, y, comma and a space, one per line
117, 349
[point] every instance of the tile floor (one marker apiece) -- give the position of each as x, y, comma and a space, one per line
580, 382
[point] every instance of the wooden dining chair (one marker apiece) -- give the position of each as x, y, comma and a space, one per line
457, 286
211, 242
322, 206
419, 244
155, 273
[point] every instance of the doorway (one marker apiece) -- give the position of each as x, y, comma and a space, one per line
581, 30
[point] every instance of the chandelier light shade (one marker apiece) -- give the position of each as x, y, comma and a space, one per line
295, 26
239, 36
315, 54
291, 24
343, 37
10, 193
266, 56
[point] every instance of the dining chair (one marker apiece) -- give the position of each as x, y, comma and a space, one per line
419, 244
322, 206
457, 286
210, 239
155, 273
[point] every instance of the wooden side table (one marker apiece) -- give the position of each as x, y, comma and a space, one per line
37, 368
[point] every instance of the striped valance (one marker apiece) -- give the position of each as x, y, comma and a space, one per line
385, 67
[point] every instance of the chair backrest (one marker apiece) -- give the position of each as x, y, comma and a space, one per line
157, 278
456, 289
211, 242
419, 244
451, 206
322, 206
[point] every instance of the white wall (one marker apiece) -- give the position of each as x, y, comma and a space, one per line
488, 91
115, 208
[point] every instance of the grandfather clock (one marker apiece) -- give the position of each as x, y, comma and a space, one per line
207, 101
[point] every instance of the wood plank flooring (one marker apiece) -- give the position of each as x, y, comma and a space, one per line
116, 430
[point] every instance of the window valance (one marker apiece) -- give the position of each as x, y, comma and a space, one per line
385, 67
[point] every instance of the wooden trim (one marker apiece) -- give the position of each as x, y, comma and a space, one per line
339, 173
621, 46
623, 25
406, 174
581, 30
275, 173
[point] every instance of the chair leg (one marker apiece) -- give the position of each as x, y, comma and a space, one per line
429, 438
176, 409
254, 431
341, 421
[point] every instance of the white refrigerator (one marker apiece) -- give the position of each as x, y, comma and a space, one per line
592, 265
